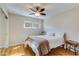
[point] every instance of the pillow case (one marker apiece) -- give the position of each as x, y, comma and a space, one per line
50, 33
58, 34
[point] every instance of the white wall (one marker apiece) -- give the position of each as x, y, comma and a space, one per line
65, 22
17, 33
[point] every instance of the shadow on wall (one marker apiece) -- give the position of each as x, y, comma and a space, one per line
51, 29
73, 36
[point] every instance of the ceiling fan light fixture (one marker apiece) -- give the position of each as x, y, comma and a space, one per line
37, 14
38, 11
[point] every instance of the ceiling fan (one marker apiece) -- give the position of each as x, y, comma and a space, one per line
37, 11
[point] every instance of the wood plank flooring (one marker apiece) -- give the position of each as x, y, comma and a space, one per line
20, 50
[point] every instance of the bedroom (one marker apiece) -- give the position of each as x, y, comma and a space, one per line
18, 21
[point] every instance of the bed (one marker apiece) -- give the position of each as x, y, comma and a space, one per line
54, 42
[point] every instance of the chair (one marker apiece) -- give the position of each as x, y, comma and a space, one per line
71, 44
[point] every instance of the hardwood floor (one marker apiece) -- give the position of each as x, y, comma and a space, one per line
60, 52
20, 50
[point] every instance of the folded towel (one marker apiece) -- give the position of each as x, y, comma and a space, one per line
43, 47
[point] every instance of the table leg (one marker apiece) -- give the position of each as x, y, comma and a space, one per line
66, 46
75, 50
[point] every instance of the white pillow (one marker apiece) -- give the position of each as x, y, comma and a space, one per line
58, 34
50, 33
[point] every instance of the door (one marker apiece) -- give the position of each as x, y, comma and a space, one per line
3, 32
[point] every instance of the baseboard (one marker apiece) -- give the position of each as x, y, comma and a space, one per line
15, 45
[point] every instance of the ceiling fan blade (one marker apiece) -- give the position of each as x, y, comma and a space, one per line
37, 8
32, 9
42, 13
41, 10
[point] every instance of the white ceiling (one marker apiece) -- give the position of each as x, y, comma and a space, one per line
51, 9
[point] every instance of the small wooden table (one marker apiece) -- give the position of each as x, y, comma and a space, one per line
73, 44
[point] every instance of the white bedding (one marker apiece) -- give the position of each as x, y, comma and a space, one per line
54, 41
